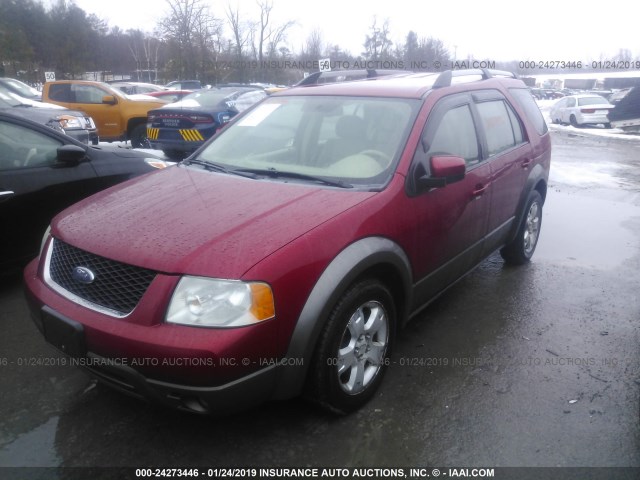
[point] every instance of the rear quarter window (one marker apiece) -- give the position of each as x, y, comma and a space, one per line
523, 98
500, 125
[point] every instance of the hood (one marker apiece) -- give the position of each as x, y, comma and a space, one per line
45, 116
183, 220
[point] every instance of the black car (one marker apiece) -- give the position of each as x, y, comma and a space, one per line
74, 123
180, 128
42, 172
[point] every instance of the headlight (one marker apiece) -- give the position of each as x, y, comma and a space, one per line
208, 302
157, 163
69, 121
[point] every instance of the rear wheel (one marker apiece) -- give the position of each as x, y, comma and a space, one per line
521, 248
573, 121
351, 356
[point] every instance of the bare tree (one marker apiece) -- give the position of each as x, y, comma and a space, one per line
266, 36
192, 28
378, 44
241, 32
314, 45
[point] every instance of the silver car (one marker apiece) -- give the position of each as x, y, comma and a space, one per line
579, 110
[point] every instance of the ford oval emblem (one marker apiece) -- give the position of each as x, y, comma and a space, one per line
83, 275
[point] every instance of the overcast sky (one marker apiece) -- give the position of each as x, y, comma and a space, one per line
538, 30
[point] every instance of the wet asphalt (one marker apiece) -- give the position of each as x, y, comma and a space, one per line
534, 366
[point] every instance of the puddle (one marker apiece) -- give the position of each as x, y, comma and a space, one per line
603, 233
33, 449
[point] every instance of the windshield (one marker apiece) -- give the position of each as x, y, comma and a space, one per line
356, 140
592, 101
7, 100
24, 89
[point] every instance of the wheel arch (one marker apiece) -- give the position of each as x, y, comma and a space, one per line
375, 257
132, 123
537, 180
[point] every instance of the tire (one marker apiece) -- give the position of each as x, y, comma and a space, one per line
352, 352
138, 136
607, 125
573, 121
520, 250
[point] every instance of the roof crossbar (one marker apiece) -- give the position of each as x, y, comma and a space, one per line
445, 78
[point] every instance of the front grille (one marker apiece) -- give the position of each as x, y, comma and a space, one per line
116, 286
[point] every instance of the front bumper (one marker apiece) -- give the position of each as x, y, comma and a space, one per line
171, 365
79, 135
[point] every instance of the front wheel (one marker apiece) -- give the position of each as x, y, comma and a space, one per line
352, 352
521, 248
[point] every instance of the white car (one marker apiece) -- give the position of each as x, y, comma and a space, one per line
578, 110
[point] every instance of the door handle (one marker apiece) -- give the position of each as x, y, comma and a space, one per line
525, 163
480, 189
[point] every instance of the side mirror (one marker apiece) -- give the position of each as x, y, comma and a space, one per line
70, 155
109, 100
444, 170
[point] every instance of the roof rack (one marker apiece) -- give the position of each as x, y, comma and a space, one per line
355, 74
446, 78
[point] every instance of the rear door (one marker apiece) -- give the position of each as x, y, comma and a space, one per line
508, 155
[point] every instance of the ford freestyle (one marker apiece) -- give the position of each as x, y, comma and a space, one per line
296, 242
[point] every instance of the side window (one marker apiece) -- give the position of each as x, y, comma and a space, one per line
455, 135
517, 126
571, 102
531, 109
501, 126
60, 92
21, 147
87, 94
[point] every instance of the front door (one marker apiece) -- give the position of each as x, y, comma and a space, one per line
451, 220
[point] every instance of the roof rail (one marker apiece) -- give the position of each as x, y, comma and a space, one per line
445, 78
355, 74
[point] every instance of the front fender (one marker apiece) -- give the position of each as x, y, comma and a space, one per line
368, 255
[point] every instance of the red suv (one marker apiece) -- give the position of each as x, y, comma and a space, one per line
292, 246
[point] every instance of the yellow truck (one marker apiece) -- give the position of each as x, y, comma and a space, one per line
117, 116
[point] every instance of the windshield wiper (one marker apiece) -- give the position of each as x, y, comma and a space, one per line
273, 173
216, 167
